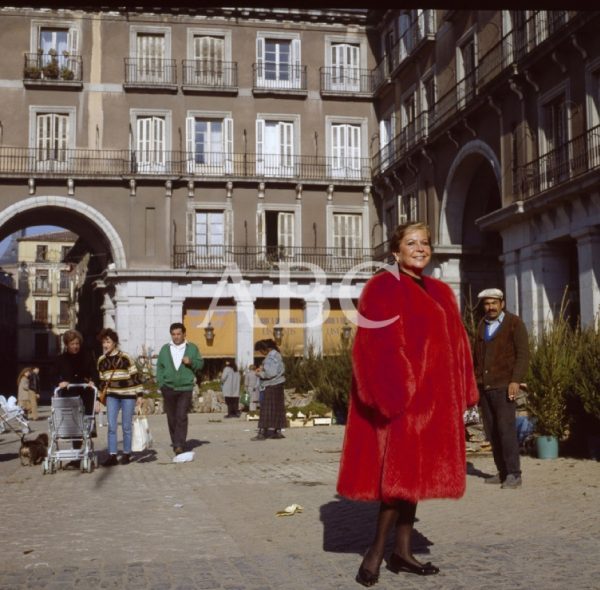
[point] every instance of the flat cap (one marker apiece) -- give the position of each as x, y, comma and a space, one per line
491, 294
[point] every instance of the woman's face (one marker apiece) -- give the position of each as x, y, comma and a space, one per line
74, 346
108, 345
414, 253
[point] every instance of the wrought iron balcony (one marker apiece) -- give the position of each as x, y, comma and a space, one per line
54, 162
269, 258
150, 72
336, 81
209, 75
45, 69
567, 162
269, 77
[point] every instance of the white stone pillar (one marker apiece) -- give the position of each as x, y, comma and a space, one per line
511, 281
588, 254
244, 312
529, 289
313, 332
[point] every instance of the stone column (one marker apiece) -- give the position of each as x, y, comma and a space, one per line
511, 279
313, 332
244, 312
529, 288
588, 254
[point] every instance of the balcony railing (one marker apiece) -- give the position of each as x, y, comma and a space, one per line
347, 81
42, 289
565, 163
272, 76
268, 258
150, 72
52, 68
84, 162
199, 74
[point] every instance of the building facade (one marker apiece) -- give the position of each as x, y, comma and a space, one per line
243, 167
489, 130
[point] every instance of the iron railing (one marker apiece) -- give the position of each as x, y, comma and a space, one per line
269, 258
150, 71
346, 80
562, 164
279, 77
52, 67
210, 74
86, 162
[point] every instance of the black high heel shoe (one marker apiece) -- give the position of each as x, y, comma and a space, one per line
365, 577
398, 564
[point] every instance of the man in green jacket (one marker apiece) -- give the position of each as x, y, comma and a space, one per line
501, 357
176, 369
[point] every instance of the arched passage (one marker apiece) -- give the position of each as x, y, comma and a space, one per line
90, 225
473, 190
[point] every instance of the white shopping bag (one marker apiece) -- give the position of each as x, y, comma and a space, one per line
141, 437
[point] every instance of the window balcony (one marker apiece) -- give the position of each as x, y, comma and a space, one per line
269, 258
51, 69
145, 73
341, 81
559, 166
84, 163
209, 76
277, 78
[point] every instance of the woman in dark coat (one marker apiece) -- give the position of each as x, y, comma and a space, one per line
413, 379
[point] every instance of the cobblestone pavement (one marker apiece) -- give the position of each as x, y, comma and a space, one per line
211, 524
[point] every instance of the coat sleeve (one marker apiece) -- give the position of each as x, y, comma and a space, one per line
384, 377
196, 360
160, 368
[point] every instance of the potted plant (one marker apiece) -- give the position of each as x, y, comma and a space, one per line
51, 69
550, 378
66, 73
586, 386
32, 73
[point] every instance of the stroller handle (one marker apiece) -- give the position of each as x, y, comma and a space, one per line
90, 385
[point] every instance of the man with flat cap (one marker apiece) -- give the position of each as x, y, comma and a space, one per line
501, 357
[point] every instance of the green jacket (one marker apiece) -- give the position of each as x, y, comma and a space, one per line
183, 378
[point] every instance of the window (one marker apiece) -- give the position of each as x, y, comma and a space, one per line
514, 40
406, 35
275, 148
150, 51
41, 253
42, 282
345, 143
408, 117
556, 137
345, 62
64, 282
150, 143
347, 234
465, 71
278, 62
56, 49
408, 208
210, 233
63, 313
41, 311
209, 144
389, 39
52, 137
387, 133
428, 102
208, 60
64, 251
276, 231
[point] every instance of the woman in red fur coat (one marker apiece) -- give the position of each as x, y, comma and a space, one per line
413, 380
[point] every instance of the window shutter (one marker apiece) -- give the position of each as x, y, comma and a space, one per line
295, 63
190, 143
354, 137
43, 136
260, 59
61, 138
190, 237
73, 41
228, 144
260, 229
260, 135
383, 134
285, 231
158, 125
286, 143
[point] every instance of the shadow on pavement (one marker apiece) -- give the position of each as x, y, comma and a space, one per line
349, 527
147, 456
194, 442
8, 457
472, 470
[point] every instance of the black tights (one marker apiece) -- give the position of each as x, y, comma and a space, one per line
402, 514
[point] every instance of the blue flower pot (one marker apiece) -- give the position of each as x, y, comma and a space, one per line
547, 447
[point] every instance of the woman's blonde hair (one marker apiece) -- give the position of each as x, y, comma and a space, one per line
405, 228
22, 374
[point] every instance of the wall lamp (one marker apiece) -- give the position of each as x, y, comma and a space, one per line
278, 333
346, 331
209, 334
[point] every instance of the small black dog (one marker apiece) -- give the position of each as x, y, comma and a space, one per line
33, 451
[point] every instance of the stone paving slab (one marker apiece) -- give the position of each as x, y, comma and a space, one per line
211, 523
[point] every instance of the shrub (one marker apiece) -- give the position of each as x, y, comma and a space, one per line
586, 379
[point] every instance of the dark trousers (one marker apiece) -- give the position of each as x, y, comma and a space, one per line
500, 424
177, 405
233, 406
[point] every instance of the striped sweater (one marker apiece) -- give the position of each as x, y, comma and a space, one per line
122, 375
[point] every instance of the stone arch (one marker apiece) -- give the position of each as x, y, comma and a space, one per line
457, 181
83, 217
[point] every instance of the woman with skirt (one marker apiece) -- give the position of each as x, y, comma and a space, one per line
272, 377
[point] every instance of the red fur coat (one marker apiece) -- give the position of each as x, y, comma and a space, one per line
412, 382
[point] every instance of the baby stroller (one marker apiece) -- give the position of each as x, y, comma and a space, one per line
12, 416
71, 425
